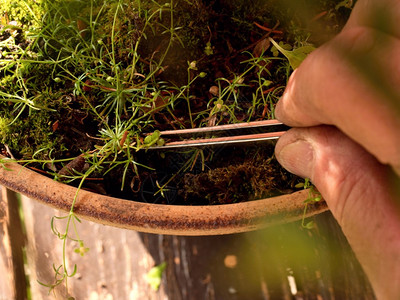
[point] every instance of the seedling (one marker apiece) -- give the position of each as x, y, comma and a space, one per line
295, 56
154, 139
153, 277
313, 197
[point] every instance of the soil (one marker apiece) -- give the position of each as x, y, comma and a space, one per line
218, 36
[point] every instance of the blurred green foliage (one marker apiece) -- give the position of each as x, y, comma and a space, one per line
24, 12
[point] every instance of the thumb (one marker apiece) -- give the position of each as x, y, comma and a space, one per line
359, 192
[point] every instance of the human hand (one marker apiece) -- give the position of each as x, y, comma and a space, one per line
347, 137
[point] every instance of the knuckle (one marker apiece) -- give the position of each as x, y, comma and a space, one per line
360, 40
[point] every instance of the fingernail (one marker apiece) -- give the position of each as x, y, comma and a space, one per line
297, 158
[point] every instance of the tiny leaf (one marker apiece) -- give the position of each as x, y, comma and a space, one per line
309, 225
153, 277
208, 49
295, 56
152, 138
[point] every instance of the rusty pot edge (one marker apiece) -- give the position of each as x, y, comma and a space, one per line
157, 218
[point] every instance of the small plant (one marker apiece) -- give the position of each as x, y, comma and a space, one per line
295, 56
153, 277
313, 197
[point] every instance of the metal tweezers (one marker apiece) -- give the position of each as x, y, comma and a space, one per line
240, 133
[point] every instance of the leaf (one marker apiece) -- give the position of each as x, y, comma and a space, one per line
152, 138
275, 51
81, 250
75, 165
295, 56
344, 3
309, 225
261, 47
4, 20
153, 277
208, 49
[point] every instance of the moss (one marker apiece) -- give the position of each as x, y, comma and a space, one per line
32, 130
7, 83
27, 13
5, 129
250, 175
29, 136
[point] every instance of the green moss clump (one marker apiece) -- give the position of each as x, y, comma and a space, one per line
30, 132
5, 129
26, 13
31, 137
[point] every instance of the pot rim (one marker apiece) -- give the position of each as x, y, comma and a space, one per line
159, 218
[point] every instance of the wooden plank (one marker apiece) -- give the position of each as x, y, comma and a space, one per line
114, 267
266, 264
12, 273
7, 290
283, 262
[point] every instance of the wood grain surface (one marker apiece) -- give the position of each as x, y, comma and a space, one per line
281, 262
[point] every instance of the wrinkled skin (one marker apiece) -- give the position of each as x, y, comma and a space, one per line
347, 137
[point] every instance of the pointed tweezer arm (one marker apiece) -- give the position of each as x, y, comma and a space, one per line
239, 133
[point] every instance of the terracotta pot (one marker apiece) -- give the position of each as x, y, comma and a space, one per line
156, 218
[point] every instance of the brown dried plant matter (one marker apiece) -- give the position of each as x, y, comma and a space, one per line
253, 177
